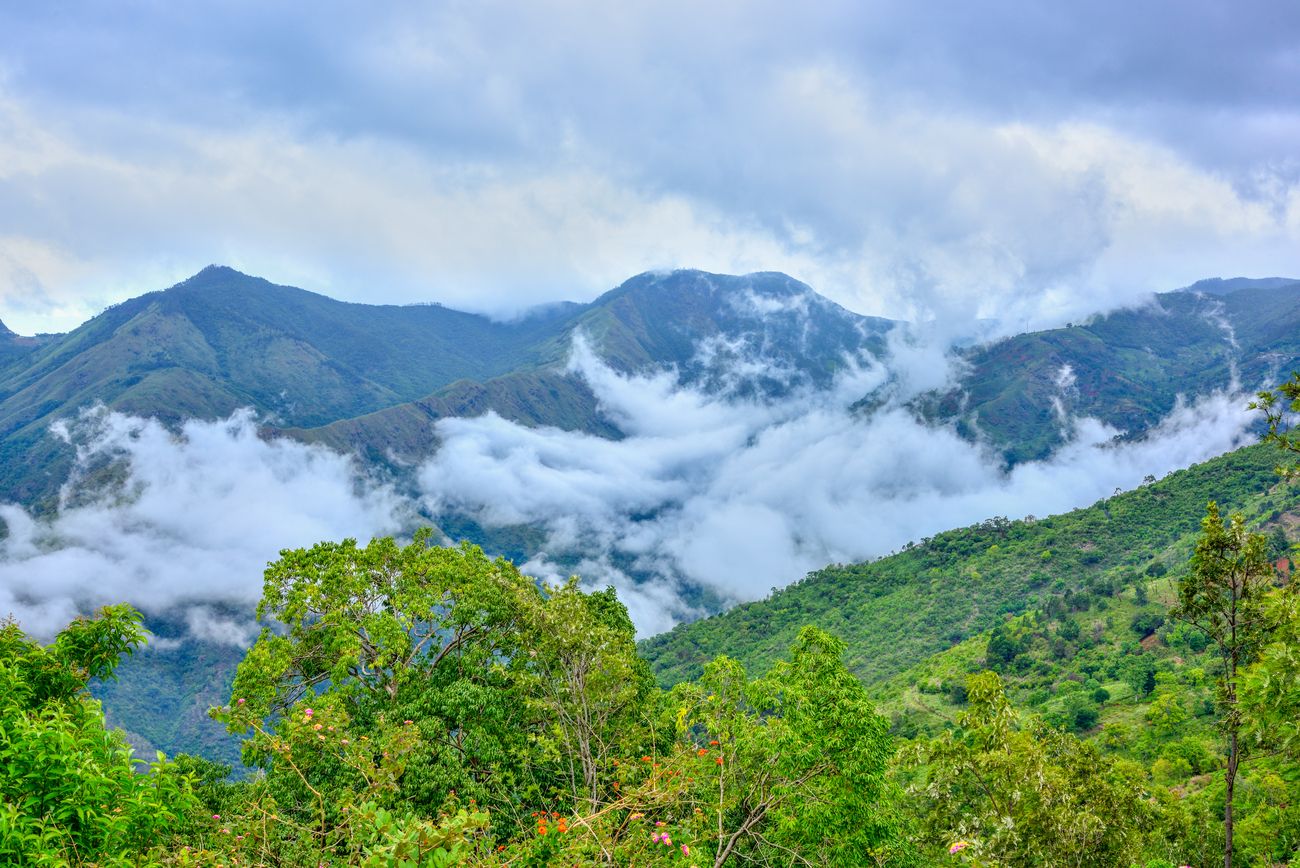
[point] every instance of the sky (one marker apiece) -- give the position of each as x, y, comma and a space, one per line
1030, 162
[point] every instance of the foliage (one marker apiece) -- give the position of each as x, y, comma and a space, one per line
1222, 597
69, 791
1027, 794
920, 601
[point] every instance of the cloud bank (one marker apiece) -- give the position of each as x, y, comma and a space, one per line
193, 523
710, 496
738, 497
909, 162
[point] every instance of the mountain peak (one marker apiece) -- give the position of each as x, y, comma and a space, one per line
215, 274
6, 332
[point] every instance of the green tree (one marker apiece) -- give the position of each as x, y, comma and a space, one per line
1004, 793
418, 648
70, 793
1230, 575
586, 678
800, 760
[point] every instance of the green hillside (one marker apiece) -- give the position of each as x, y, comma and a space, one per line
372, 378
1127, 368
223, 340
703, 326
901, 609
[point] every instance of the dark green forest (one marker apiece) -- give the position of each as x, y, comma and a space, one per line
1116, 686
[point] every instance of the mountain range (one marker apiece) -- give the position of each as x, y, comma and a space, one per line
372, 380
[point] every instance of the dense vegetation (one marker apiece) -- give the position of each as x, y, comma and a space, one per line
1117, 686
900, 609
420, 705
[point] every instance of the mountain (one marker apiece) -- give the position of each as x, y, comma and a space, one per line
899, 610
1127, 369
703, 326
373, 377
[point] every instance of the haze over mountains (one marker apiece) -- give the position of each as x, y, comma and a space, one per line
638, 439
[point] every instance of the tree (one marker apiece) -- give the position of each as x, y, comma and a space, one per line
1230, 575
1006, 793
418, 645
588, 679
70, 792
1275, 406
794, 770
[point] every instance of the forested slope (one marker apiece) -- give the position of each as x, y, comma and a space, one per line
898, 610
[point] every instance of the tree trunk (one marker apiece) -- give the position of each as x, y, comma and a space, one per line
1230, 780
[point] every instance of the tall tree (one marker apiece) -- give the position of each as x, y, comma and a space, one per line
1221, 596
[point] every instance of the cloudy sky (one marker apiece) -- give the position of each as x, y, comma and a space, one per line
1026, 161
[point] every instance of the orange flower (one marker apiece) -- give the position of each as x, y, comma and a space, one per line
718, 760
714, 743
701, 752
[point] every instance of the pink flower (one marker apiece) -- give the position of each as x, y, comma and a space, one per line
241, 701
958, 847
686, 851
309, 713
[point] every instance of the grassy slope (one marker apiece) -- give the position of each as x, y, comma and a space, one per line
899, 610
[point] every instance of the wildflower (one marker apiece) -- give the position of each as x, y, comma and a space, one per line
241, 701
645, 759
701, 752
317, 727
713, 743
225, 831
659, 823
718, 760
408, 722
958, 847
308, 713
686, 851
216, 816
343, 741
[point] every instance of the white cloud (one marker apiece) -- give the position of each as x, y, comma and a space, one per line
195, 521
560, 177
733, 496
745, 496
